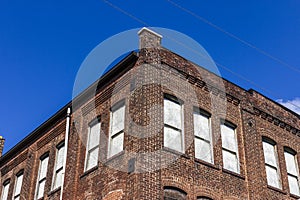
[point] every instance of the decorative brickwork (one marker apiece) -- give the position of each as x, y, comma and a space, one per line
146, 169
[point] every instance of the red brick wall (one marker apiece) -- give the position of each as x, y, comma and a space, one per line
1, 145
143, 88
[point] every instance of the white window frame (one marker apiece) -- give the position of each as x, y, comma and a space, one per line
181, 131
58, 169
119, 133
230, 151
268, 165
290, 174
44, 158
95, 122
206, 115
19, 177
5, 190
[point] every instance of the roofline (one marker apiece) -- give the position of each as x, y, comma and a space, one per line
282, 106
207, 70
117, 69
29, 139
230, 82
62, 113
79, 99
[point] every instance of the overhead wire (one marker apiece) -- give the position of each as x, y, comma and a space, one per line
222, 30
243, 42
235, 37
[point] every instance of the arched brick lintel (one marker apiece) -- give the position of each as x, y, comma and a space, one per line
114, 195
207, 192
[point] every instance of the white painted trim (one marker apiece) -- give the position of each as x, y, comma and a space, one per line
66, 152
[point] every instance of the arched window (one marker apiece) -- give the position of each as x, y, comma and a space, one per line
173, 123
271, 162
292, 170
230, 147
173, 193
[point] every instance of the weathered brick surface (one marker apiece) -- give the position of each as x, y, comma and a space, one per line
142, 87
1, 144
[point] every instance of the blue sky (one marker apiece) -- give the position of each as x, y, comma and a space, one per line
43, 43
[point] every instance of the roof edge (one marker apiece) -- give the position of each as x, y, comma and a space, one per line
276, 103
62, 113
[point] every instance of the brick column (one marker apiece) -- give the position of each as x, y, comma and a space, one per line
1, 145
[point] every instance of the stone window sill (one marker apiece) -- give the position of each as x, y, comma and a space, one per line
211, 165
115, 156
86, 173
276, 189
54, 191
233, 173
294, 196
176, 152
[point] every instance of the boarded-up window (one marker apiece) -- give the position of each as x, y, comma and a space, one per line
5, 189
172, 193
117, 129
18, 185
202, 133
173, 134
58, 169
292, 171
92, 148
42, 176
229, 148
271, 163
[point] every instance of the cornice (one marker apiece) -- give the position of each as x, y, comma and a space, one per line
274, 120
206, 86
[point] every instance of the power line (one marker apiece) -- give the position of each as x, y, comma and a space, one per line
126, 13
235, 37
220, 65
242, 41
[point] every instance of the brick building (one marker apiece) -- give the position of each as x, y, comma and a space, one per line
157, 126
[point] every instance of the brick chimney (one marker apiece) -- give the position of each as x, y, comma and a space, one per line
149, 39
1, 145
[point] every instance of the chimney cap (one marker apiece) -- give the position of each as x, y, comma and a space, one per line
149, 30
149, 39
